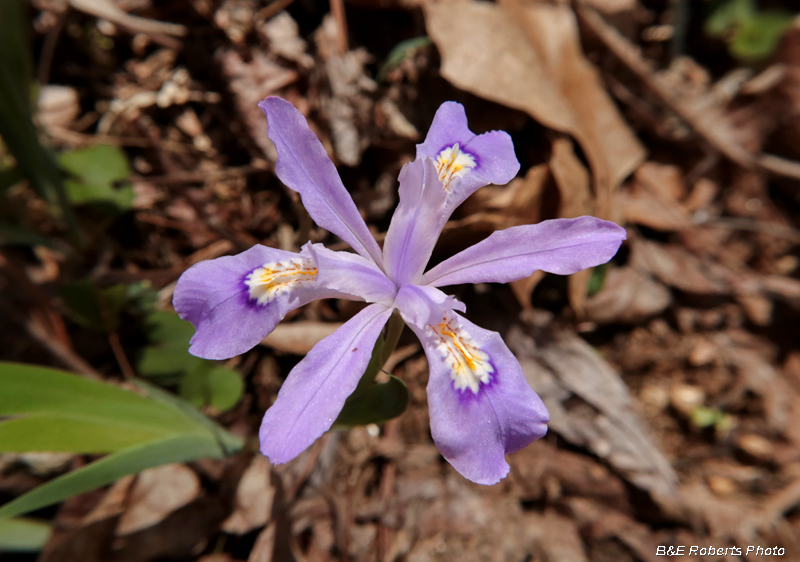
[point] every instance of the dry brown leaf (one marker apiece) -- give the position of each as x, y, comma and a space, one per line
283, 35
529, 58
664, 180
604, 522
627, 296
299, 337
640, 206
555, 537
156, 493
572, 180
348, 107
761, 378
58, 106
676, 267
700, 108
254, 497
250, 83
113, 502
520, 199
562, 366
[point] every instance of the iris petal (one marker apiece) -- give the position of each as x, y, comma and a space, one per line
315, 391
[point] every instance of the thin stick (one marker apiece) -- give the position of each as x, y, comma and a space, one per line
337, 9
119, 353
273, 9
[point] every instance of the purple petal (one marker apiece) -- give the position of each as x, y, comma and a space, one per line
304, 166
420, 305
487, 158
561, 246
351, 274
416, 223
229, 318
316, 389
480, 403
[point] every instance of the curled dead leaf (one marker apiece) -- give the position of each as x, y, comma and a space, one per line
627, 296
528, 57
562, 367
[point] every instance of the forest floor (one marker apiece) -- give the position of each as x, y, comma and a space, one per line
672, 375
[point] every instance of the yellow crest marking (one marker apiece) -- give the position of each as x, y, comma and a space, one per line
453, 163
280, 277
469, 364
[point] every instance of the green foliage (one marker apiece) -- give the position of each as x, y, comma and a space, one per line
100, 309
15, 235
378, 403
207, 385
49, 410
166, 359
95, 173
752, 35
23, 535
597, 279
401, 52
371, 402
16, 114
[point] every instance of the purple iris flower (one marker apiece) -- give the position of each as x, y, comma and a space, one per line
481, 405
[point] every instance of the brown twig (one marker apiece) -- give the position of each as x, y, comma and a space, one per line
337, 9
780, 166
273, 9
119, 354
49, 49
702, 113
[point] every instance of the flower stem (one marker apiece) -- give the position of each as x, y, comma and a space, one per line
394, 329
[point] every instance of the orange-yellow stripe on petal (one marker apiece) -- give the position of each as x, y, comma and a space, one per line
276, 278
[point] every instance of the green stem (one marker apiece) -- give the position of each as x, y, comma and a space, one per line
383, 349
393, 332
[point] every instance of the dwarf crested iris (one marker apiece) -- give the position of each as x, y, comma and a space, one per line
481, 406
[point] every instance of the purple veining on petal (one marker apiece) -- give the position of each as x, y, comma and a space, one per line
304, 166
316, 389
561, 246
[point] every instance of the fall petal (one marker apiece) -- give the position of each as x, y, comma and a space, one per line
315, 390
235, 301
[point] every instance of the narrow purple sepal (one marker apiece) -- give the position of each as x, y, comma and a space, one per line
304, 166
351, 274
562, 246
421, 305
416, 223
315, 390
213, 296
475, 431
493, 152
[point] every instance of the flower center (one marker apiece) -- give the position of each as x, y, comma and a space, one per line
453, 163
279, 277
469, 365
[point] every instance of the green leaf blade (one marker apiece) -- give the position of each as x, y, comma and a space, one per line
174, 449
23, 535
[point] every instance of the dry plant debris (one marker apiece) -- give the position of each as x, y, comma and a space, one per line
672, 376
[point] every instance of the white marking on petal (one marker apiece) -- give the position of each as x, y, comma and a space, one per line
453, 163
469, 364
280, 277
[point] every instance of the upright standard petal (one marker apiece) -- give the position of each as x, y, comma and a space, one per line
304, 166
351, 274
416, 223
235, 301
561, 246
316, 389
466, 161
480, 403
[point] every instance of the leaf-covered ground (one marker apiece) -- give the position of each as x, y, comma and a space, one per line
672, 374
